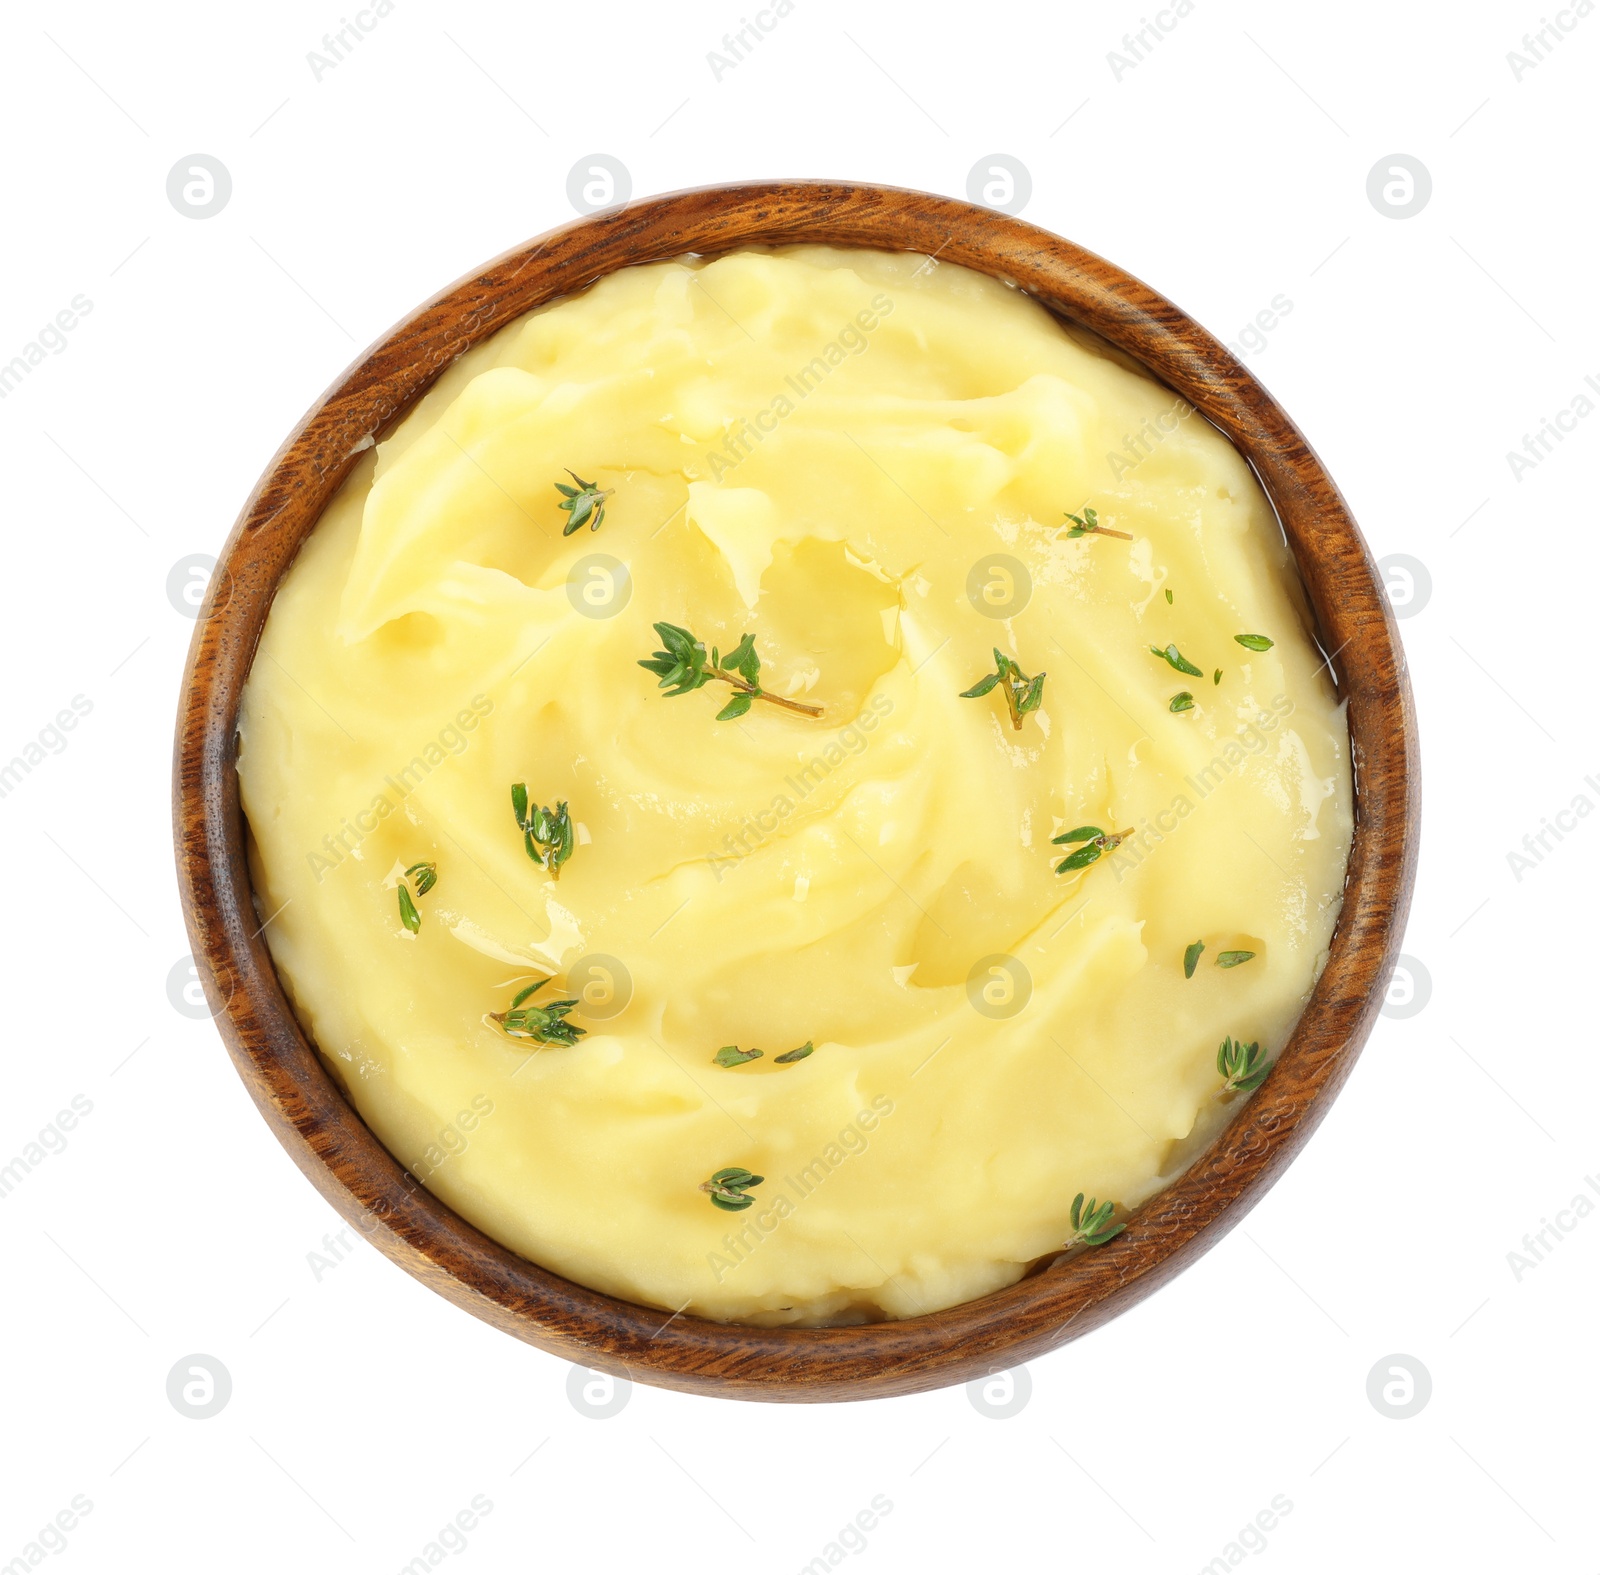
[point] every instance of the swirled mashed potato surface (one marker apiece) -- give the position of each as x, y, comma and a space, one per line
864, 460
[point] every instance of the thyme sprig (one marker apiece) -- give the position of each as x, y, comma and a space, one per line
546, 832
545, 1025
1175, 659
1095, 843
684, 667
1022, 693
426, 876
1088, 524
1242, 1066
1090, 1221
586, 503
727, 1188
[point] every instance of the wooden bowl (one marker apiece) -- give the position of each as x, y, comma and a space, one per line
1071, 1296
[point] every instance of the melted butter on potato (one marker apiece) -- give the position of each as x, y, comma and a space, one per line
865, 461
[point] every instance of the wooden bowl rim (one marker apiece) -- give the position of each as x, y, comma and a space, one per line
1044, 1309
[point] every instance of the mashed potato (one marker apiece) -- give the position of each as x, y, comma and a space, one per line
865, 462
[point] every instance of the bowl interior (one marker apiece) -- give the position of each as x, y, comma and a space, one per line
1058, 1301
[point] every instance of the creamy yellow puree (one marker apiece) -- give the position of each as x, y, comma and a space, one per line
864, 460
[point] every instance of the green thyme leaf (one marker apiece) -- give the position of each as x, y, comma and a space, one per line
1241, 1066
1191, 956
727, 1191
585, 504
1254, 642
1216, 677
1088, 524
1090, 1221
683, 667
545, 1025
1169, 598
1079, 834
426, 876
1233, 959
1095, 843
1175, 659
732, 1055
1031, 696
1023, 694
1182, 701
547, 834
742, 659
790, 1056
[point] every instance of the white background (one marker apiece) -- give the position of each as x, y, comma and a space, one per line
1228, 166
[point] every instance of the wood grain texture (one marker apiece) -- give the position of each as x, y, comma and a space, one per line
1057, 1302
